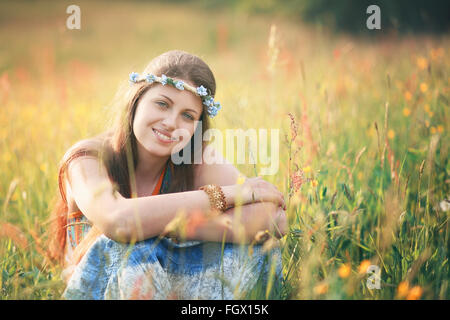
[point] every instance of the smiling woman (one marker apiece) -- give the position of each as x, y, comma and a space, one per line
132, 224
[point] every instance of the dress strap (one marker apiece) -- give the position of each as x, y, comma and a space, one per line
160, 180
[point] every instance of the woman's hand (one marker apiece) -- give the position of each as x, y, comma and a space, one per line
259, 190
254, 190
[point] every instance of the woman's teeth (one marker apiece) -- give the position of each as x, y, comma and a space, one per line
164, 137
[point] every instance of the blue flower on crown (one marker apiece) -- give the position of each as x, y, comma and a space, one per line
150, 78
208, 101
180, 85
202, 91
134, 77
163, 79
212, 111
217, 105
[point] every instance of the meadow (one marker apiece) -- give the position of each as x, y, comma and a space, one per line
363, 145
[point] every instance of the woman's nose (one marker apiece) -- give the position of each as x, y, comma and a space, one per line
170, 122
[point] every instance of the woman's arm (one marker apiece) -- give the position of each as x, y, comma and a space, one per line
141, 218
239, 225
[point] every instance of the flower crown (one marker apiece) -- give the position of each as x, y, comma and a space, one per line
212, 106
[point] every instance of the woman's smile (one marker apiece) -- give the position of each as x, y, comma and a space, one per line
164, 137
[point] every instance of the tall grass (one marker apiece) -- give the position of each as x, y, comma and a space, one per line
363, 158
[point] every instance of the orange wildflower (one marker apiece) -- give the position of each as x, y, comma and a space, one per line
402, 289
415, 293
344, 270
364, 265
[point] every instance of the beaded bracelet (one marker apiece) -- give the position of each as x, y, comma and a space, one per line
216, 197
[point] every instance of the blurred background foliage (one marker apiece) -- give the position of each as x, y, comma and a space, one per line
349, 15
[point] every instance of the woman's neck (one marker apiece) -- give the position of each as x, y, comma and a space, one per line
149, 167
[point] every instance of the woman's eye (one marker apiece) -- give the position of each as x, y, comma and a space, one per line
161, 103
188, 116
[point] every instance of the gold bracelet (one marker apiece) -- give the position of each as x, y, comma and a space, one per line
216, 197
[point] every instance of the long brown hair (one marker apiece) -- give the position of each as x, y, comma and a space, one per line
117, 147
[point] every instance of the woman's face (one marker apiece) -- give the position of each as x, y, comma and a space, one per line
166, 119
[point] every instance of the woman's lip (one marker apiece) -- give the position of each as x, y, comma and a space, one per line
161, 139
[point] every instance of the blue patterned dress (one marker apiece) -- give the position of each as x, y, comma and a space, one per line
160, 268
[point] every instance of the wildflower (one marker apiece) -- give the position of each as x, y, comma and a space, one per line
134, 77
163, 79
208, 101
402, 289
321, 288
408, 96
422, 63
423, 87
440, 128
432, 130
406, 112
297, 180
391, 134
426, 107
179, 85
415, 293
202, 91
150, 78
294, 126
364, 265
307, 169
314, 183
436, 53
212, 111
360, 175
344, 270
430, 114
427, 123
217, 105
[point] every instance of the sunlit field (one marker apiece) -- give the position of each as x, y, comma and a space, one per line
363, 157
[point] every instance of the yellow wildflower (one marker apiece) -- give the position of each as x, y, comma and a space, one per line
408, 96
360, 175
344, 270
43, 167
391, 134
321, 288
440, 128
426, 107
423, 87
422, 63
406, 112
240, 179
306, 169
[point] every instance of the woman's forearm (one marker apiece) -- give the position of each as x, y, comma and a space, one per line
145, 217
